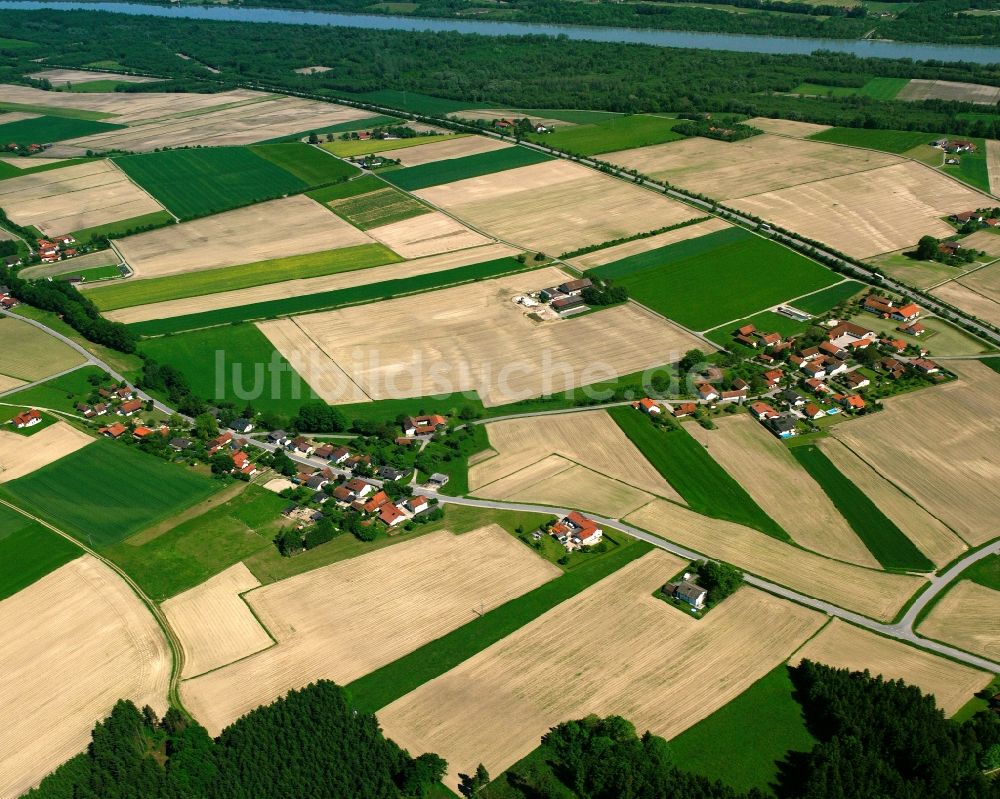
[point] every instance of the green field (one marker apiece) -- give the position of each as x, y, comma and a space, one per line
46, 129
115, 230
352, 147
60, 393
97, 273
380, 207
616, 133
884, 540
340, 127
105, 491
710, 280
28, 551
889, 141
471, 166
876, 88
413, 101
204, 181
11, 171
247, 358
973, 168
354, 295
986, 572
93, 86
196, 549
822, 301
195, 284
743, 742
350, 188
706, 487
54, 111
309, 164
768, 321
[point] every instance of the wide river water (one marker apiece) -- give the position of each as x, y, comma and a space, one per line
709, 41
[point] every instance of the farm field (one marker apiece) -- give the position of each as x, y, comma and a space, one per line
129, 293
64, 200
366, 287
881, 210
966, 617
214, 624
586, 438
50, 129
786, 492
550, 117
993, 165
921, 274
786, 127
342, 621
67, 77
307, 163
380, 207
557, 481
951, 467
519, 682
928, 533
124, 227
608, 255
844, 646
21, 456
970, 300
428, 234
726, 170
29, 354
348, 149
451, 147
28, 551
88, 264
885, 541
888, 141
469, 166
879, 88
824, 300
275, 229
473, 332
73, 492
75, 642
879, 595
58, 393
198, 182
681, 280
705, 486
7, 383
615, 133
556, 206
919, 89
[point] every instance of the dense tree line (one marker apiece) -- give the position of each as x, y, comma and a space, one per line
310, 743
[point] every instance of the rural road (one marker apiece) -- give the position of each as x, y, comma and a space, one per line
903, 630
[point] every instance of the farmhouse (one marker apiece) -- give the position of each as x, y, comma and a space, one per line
576, 530
117, 430
27, 419
707, 392
564, 304
574, 287
845, 334
684, 409
880, 306
424, 425
646, 405
694, 595
130, 408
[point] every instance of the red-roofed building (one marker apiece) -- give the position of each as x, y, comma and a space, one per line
424, 425
773, 377
27, 419
418, 504
130, 408
746, 330
391, 515
813, 411
576, 530
115, 430
853, 402
649, 406
707, 392
762, 411
925, 366
912, 329
684, 409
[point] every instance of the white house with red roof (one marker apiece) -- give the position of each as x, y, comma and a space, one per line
576, 530
27, 419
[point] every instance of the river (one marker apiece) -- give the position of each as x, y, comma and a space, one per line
710, 41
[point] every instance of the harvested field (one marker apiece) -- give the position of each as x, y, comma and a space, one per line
952, 468
975, 302
457, 147
75, 265
987, 241
878, 211
844, 646
427, 234
787, 127
64, 200
22, 455
30, 354
610, 254
567, 664
64, 77
557, 481
343, 621
214, 623
726, 170
556, 206
993, 165
929, 534
918, 89
289, 226
478, 339
878, 595
312, 285
27, 163
783, 489
588, 438
7, 383
966, 617
75, 642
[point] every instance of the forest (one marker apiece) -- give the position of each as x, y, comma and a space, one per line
466, 70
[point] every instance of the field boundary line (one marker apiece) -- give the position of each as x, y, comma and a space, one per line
332, 360
961, 276
820, 180
121, 171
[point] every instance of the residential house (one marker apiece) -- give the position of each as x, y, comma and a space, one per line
358, 487
897, 345
792, 398
707, 392
217, 443
925, 366
278, 437
762, 411
765, 358
392, 473
339, 455
739, 384
179, 444
317, 482
116, 430
417, 504
746, 330
343, 494
576, 530
817, 386
880, 306
782, 426
768, 339
773, 377
834, 367
845, 333
684, 409
27, 419
372, 504
123, 393
912, 329
424, 425
358, 462
735, 395
391, 515
86, 410
851, 402
687, 592
649, 406
437, 480
813, 411
949, 247
829, 348
241, 425
855, 380
302, 446
324, 451
100, 409
130, 408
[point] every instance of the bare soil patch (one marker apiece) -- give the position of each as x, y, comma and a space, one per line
21, 455
844, 646
616, 253
427, 234
556, 206
213, 622
458, 147
878, 595
921, 89
967, 617
342, 621
783, 489
568, 663
787, 127
868, 213
74, 643
311, 70
941, 446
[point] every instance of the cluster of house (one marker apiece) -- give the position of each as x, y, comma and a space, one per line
56, 248
566, 297
7, 300
230, 445
504, 125
955, 145
979, 216
29, 149
575, 530
117, 430
122, 400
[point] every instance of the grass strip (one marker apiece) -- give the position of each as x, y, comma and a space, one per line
706, 487
306, 162
822, 301
124, 227
387, 684
351, 188
885, 541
